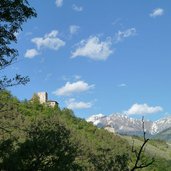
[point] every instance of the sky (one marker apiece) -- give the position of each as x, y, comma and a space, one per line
107, 56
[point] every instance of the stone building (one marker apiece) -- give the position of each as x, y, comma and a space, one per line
52, 103
43, 99
110, 129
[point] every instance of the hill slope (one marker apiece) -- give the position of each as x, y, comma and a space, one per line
164, 135
37, 137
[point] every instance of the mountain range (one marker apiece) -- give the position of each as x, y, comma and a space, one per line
124, 124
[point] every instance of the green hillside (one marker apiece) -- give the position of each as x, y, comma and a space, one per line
37, 137
164, 135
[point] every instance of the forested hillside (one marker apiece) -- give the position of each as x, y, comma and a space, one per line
37, 137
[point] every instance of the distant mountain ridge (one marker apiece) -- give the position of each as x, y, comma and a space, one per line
126, 125
164, 135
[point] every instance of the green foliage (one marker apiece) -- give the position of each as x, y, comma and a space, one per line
158, 142
105, 161
13, 14
42, 138
47, 147
36, 137
159, 165
156, 149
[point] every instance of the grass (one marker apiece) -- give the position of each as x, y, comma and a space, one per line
154, 147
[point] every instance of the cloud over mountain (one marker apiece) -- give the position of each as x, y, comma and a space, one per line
141, 109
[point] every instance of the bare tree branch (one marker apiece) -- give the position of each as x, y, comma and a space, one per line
139, 153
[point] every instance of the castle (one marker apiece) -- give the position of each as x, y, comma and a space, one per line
43, 99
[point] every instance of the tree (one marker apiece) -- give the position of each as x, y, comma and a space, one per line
47, 146
13, 13
139, 163
105, 161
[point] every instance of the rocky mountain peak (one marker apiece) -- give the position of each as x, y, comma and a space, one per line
124, 124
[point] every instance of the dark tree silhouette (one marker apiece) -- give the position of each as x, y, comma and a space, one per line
139, 164
13, 13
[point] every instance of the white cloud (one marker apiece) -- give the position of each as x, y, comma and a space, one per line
121, 35
70, 88
93, 48
71, 78
77, 77
73, 29
157, 12
122, 85
77, 8
59, 3
31, 53
73, 104
50, 41
141, 109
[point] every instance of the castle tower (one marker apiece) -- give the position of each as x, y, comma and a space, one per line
42, 97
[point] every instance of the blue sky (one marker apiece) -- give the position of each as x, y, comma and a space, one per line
98, 56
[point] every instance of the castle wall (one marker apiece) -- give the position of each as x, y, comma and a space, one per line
52, 103
42, 97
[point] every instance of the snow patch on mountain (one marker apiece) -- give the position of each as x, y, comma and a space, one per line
122, 123
162, 124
